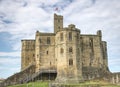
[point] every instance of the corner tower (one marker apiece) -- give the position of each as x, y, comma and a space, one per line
58, 22
67, 54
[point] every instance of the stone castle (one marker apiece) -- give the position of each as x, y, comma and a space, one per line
68, 52
64, 56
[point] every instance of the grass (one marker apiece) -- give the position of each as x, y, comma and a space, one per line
84, 84
32, 84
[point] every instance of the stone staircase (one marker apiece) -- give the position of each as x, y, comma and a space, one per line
19, 78
25, 76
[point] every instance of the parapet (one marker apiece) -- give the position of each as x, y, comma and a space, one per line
57, 16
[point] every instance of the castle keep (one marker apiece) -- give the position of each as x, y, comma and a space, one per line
72, 55
63, 56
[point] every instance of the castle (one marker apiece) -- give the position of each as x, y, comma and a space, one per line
63, 56
69, 53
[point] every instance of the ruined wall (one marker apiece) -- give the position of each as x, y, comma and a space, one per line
18, 78
115, 78
27, 53
45, 51
92, 55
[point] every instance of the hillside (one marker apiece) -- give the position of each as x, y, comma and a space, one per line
84, 84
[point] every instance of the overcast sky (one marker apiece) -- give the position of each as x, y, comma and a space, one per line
19, 19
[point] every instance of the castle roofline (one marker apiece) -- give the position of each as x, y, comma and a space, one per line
28, 40
88, 35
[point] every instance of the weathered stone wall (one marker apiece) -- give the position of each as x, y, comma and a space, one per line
19, 78
115, 78
27, 53
94, 56
45, 51
67, 52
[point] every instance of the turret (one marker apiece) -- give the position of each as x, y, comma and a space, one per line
99, 33
58, 22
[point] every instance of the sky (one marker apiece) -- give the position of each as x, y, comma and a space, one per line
20, 19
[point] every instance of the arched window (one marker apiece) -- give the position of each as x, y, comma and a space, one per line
70, 50
61, 50
70, 62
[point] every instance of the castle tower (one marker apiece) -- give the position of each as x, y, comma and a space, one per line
58, 22
67, 52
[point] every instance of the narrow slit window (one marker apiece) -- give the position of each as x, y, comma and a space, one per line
70, 62
70, 50
61, 36
48, 40
61, 50
47, 52
70, 36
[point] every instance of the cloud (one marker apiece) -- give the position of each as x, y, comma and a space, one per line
9, 66
11, 54
21, 18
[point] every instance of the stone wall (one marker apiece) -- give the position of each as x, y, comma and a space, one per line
115, 78
19, 78
45, 51
27, 53
67, 52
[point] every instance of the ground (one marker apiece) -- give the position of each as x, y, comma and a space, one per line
95, 83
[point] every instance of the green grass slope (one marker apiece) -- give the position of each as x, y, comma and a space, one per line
84, 84
32, 84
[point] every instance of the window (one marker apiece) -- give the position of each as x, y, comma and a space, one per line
37, 55
40, 40
33, 55
61, 50
70, 62
61, 36
58, 27
47, 52
48, 40
91, 42
58, 20
70, 50
78, 51
70, 36
77, 36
